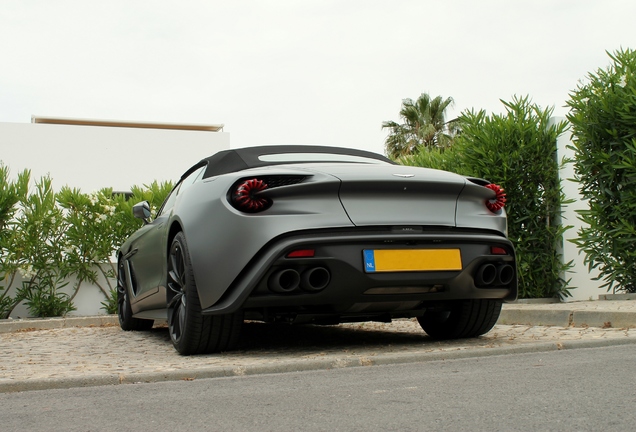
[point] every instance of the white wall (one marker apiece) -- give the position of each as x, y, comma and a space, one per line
94, 157
87, 300
581, 278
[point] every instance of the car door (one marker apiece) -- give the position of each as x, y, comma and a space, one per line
148, 259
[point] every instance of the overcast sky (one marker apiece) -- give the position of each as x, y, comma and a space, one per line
296, 71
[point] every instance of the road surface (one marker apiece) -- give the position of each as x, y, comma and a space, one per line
580, 389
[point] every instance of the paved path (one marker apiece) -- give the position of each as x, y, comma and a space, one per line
103, 354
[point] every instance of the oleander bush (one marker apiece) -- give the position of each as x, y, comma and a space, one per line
516, 150
50, 238
98, 223
10, 194
603, 118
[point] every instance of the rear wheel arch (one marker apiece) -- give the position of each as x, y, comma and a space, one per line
175, 228
192, 332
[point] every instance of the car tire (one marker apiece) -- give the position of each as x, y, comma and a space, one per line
126, 320
462, 319
192, 332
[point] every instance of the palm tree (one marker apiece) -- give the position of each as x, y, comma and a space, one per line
424, 125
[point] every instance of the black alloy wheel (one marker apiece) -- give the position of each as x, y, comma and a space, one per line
192, 332
126, 320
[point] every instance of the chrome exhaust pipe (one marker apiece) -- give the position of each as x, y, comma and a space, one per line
486, 275
315, 279
284, 281
505, 274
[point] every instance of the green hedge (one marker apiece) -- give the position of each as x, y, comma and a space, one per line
603, 117
516, 150
48, 237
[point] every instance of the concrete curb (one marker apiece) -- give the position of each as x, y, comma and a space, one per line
7, 386
616, 319
568, 318
539, 317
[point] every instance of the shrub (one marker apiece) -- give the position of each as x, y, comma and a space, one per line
43, 298
10, 194
603, 118
436, 158
517, 150
34, 248
49, 239
98, 223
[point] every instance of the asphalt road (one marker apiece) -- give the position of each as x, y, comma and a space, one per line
580, 389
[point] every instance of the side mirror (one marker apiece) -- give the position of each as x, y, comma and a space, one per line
142, 211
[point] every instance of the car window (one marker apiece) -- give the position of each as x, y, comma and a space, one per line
169, 202
181, 186
189, 180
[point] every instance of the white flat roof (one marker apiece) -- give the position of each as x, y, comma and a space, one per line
125, 124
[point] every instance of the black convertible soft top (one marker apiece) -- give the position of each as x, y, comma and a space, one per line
234, 160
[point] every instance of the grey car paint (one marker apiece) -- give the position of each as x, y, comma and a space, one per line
228, 245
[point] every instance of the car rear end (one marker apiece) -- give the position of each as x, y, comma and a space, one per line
397, 242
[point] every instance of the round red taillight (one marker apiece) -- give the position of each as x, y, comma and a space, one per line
244, 196
497, 203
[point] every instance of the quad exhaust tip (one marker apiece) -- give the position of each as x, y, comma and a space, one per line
494, 275
505, 274
284, 281
315, 279
288, 280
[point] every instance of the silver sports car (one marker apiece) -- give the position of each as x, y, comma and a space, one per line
318, 235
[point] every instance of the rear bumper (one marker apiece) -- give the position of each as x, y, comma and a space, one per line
350, 291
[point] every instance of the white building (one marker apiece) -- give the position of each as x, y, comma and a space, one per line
93, 154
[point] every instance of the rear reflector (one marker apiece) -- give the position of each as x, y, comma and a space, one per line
497, 250
302, 253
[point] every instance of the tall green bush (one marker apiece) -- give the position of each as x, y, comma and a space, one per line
603, 117
516, 150
49, 239
98, 223
34, 248
10, 194
447, 159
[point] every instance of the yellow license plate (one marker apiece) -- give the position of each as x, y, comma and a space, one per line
409, 260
